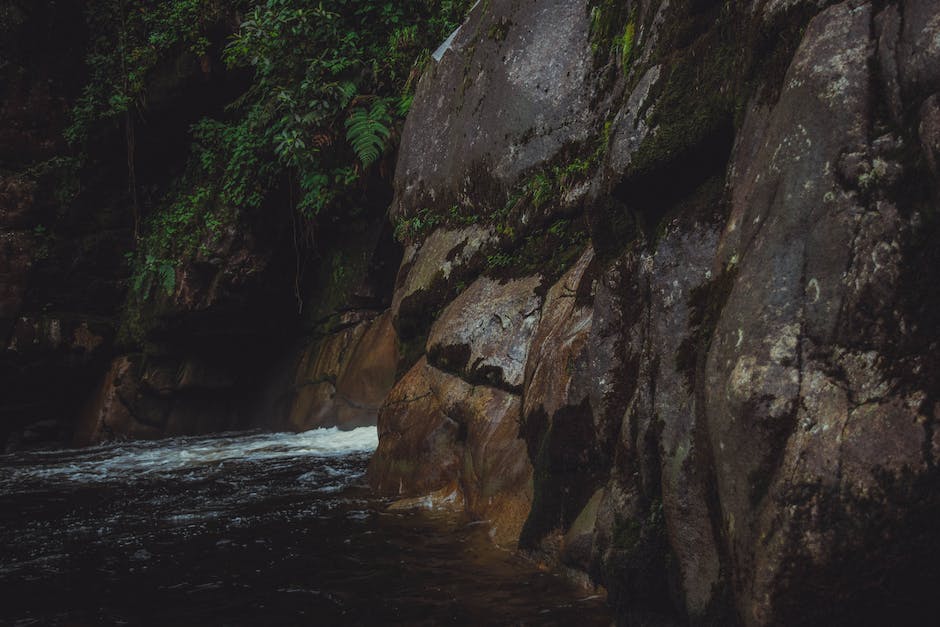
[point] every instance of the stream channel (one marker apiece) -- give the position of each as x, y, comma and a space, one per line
250, 529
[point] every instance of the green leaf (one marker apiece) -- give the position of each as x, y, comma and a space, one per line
367, 131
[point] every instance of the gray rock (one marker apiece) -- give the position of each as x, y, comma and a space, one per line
512, 91
484, 334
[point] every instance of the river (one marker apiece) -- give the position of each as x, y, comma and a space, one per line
249, 529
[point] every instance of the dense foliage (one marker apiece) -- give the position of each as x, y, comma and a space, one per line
331, 81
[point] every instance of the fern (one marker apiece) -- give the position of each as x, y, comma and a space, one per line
367, 130
404, 104
541, 189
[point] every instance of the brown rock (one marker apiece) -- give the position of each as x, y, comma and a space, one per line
437, 431
484, 334
197, 374
495, 474
431, 273
554, 377
343, 379
558, 425
418, 450
109, 412
363, 384
315, 383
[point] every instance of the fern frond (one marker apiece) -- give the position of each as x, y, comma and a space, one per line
347, 91
367, 130
404, 104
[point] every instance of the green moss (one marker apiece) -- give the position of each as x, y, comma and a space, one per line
643, 537
610, 22
419, 225
626, 44
540, 189
696, 103
410, 351
499, 260
546, 251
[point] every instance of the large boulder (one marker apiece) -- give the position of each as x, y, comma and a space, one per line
419, 452
811, 424
432, 272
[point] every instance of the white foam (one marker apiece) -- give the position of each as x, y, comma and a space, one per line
141, 459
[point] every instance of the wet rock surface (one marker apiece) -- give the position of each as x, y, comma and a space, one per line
484, 333
729, 402
440, 434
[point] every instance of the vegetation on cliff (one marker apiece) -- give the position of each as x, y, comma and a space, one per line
326, 86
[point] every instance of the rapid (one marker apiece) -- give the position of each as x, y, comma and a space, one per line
249, 529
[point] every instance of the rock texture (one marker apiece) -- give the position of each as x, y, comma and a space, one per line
485, 332
147, 397
440, 434
509, 91
729, 400
343, 380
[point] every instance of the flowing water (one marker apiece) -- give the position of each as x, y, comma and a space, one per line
249, 529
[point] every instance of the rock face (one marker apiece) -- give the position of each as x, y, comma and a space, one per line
439, 434
343, 380
729, 400
147, 397
484, 334
509, 95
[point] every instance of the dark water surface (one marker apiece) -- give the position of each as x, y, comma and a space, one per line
248, 529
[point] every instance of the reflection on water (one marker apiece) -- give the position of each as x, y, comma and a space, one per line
248, 529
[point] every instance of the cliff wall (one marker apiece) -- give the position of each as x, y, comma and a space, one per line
666, 301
